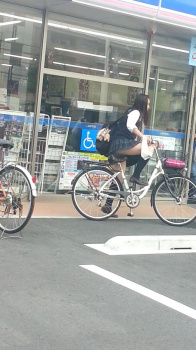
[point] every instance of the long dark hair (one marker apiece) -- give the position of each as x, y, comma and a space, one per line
140, 104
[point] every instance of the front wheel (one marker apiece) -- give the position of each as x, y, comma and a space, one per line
92, 190
175, 206
16, 200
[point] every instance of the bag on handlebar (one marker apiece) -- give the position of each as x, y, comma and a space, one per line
174, 159
174, 163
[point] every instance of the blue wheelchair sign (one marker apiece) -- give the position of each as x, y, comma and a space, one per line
88, 140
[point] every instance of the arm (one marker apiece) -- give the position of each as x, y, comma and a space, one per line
131, 123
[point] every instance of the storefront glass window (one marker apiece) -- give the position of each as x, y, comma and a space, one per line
20, 32
170, 53
77, 108
169, 89
127, 61
63, 96
87, 51
169, 93
19, 53
169, 86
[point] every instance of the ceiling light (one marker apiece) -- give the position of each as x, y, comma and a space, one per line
6, 65
80, 52
11, 39
166, 81
132, 62
99, 34
16, 56
75, 66
10, 22
19, 17
163, 80
123, 73
105, 35
50, 24
170, 48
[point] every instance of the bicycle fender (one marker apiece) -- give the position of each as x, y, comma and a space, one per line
158, 183
76, 177
154, 189
28, 175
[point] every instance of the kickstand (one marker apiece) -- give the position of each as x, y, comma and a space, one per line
131, 214
5, 235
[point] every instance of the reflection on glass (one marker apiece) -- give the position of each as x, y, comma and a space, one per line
86, 102
96, 53
126, 62
19, 54
169, 99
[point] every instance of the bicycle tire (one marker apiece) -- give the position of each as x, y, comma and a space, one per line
170, 210
17, 207
84, 197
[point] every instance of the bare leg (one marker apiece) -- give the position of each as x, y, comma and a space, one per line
135, 150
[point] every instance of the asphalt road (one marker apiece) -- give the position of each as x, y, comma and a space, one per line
48, 301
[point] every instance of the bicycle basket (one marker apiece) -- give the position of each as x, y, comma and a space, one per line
173, 159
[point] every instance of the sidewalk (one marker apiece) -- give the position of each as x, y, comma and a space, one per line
58, 205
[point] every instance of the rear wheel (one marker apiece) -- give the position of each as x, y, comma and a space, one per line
16, 200
178, 209
89, 200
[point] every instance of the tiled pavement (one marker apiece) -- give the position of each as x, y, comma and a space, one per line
58, 205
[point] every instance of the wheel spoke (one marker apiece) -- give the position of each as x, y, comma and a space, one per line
89, 200
17, 204
180, 208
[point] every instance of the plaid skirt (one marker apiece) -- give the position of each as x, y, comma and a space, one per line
120, 144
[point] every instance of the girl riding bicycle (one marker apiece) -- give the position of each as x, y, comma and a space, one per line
126, 141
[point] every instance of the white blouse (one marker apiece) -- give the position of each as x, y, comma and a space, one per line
132, 120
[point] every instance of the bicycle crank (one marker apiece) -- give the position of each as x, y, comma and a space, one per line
132, 201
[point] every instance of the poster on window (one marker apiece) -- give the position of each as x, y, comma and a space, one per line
68, 167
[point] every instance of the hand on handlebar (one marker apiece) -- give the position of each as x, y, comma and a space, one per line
155, 143
149, 140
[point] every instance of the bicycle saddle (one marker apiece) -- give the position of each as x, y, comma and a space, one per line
6, 144
113, 158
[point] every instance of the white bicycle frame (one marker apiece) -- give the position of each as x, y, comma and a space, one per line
141, 192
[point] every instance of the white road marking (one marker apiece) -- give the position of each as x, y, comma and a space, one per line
175, 305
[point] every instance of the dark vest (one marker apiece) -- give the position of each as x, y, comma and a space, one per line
122, 132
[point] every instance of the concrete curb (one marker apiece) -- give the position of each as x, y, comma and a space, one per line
151, 243
124, 245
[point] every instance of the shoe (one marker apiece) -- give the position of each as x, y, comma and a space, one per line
137, 181
106, 209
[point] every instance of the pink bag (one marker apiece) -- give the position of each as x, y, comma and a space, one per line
174, 163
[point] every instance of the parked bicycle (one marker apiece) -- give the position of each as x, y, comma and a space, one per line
172, 197
17, 194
